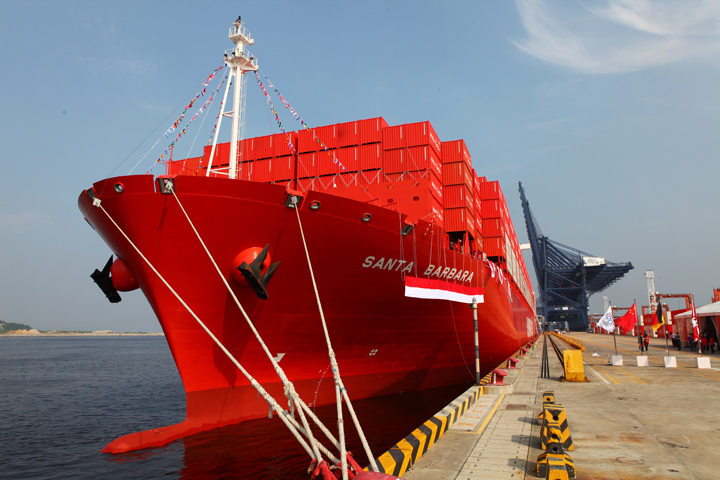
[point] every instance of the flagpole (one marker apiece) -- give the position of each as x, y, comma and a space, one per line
697, 325
612, 315
637, 320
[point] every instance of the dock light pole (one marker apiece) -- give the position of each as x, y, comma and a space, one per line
473, 305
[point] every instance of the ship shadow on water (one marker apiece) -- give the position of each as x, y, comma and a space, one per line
264, 448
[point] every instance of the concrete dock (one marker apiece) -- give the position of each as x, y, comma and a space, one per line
626, 421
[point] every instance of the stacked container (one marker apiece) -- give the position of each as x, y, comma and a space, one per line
345, 154
495, 220
458, 183
412, 151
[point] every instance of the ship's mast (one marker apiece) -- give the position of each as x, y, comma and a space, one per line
240, 61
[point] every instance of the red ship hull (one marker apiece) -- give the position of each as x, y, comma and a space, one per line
385, 342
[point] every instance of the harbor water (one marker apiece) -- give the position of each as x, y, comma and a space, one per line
63, 399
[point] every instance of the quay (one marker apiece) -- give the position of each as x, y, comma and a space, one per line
626, 422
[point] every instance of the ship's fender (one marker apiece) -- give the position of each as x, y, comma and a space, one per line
247, 256
123, 279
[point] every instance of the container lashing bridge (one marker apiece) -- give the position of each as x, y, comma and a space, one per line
566, 276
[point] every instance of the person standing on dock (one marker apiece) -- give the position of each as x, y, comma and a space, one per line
646, 341
640, 342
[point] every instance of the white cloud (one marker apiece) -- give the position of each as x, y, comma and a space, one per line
616, 36
24, 222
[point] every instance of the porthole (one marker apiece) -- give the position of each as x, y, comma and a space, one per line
366, 217
314, 205
118, 187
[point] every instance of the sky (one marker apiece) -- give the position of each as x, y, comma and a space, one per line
608, 112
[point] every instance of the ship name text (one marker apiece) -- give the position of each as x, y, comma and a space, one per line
432, 271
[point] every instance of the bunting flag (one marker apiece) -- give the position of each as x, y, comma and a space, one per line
607, 322
659, 317
296, 116
205, 106
442, 290
290, 145
628, 321
695, 327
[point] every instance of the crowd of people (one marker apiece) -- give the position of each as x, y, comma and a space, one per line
708, 342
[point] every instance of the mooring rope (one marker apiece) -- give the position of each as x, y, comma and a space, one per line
339, 387
289, 387
268, 398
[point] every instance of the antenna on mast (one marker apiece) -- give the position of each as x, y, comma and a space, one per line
240, 61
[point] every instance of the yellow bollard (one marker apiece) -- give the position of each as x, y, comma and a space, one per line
574, 369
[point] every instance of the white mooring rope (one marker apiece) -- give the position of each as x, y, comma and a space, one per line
289, 388
284, 415
339, 387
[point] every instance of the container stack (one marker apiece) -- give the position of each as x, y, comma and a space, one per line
458, 185
324, 151
500, 240
412, 151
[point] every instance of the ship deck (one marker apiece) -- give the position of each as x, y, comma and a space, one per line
626, 421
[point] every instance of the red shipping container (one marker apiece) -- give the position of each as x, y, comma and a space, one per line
457, 196
491, 209
327, 162
490, 190
494, 246
394, 137
456, 219
261, 171
394, 161
457, 173
370, 156
307, 165
281, 141
188, 166
371, 130
479, 226
455, 151
348, 134
308, 139
244, 169
284, 168
493, 227
222, 154
349, 157
262, 147
422, 133
477, 204
425, 157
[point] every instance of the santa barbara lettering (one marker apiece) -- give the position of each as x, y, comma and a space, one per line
433, 271
389, 264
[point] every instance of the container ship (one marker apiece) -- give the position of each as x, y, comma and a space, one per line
401, 234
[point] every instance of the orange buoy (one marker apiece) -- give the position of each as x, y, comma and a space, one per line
248, 256
123, 279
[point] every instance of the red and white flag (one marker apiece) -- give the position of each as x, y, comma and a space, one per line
442, 290
696, 329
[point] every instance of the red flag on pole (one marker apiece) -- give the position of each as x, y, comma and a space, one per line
627, 321
696, 330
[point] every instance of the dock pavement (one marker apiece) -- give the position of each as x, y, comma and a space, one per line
626, 422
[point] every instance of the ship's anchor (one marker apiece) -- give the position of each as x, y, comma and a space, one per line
103, 280
253, 273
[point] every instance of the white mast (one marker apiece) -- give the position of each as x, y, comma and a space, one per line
240, 61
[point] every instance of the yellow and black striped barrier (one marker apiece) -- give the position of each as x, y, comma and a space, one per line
407, 451
555, 439
555, 464
577, 343
555, 418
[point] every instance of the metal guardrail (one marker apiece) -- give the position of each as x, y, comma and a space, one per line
577, 343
